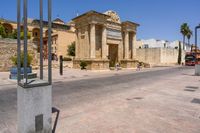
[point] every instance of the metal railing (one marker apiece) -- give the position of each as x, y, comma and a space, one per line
25, 81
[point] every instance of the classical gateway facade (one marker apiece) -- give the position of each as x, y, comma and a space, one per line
102, 40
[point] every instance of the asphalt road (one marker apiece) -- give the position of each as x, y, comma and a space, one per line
70, 94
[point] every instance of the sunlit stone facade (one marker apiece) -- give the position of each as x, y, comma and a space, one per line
102, 40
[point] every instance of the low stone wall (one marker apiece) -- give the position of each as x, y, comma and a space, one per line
129, 63
92, 64
8, 48
159, 56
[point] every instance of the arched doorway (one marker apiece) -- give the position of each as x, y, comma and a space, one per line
113, 54
36, 41
46, 33
36, 33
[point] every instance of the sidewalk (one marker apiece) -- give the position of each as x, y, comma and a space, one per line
70, 74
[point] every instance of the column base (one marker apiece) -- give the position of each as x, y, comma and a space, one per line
34, 109
128, 63
92, 64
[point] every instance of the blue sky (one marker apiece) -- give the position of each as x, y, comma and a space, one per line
160, 19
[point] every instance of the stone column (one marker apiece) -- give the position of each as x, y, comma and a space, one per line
133, 46
104, 43
77, 45
126, 45
92, 41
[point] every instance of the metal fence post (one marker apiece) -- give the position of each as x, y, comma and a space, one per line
41, 39
18, 41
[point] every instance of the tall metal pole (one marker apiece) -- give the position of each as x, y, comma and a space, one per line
41, 39
49, 41
196, 40
25, 41
18, 41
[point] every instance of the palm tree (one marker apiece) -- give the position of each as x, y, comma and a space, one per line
184, 31
189, 34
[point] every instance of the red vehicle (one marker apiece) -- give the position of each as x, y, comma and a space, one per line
192, 58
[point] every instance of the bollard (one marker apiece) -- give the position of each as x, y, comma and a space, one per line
61, 65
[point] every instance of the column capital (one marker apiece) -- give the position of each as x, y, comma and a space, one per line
92, 23
104, 25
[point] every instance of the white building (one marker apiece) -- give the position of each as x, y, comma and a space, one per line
153, 43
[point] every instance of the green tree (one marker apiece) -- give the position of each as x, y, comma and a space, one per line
14, 34
71, 49
184, 31
189, 34
2, 31
179, 53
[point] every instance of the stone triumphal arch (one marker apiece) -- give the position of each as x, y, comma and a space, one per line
102, 40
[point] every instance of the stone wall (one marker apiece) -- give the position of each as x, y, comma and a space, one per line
159, 56
8, 48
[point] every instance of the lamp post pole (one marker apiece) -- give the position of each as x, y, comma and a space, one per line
196, 28
197, 66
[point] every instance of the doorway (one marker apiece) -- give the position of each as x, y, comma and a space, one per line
113, 54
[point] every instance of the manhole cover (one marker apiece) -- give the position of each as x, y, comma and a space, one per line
136, 98
189, 90
192, 87
196, 100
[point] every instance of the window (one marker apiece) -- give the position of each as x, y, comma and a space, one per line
146, 46
55, 40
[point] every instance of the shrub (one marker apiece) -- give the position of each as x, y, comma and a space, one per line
67, 59
29, 60
2, 31
22, 35
71, 49
14, 34
83, 65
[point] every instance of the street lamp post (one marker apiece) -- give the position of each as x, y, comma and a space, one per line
197, 66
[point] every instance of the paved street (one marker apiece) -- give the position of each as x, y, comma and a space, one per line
156, 101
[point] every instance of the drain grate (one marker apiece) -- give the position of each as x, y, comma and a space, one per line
136, 98
192, 87
189, 90
196, 100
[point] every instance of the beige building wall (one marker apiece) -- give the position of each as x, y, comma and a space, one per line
9, 48
64, 40
138, 44
158, 56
